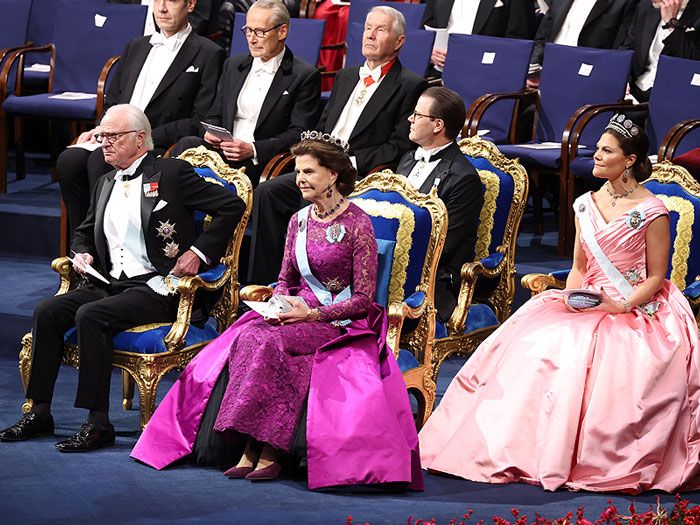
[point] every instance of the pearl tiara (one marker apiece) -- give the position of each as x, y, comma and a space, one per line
325, 137
623, 126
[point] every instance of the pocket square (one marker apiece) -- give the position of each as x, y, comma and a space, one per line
285, 92
161, 204
499, 3
192, 69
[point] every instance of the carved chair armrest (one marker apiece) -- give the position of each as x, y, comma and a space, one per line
470, 274
411, 308
480, 105
256, 292
17, 57
101, 83
580, 119
278, 165
64, 268
6, 51
539, 282
667, 150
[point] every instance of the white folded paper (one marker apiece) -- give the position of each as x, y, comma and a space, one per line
73, 95
88, 269
263, 308
39, 68
221, 133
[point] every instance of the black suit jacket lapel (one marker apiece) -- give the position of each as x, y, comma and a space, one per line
598, 9
281, 81
442, 170
483, 13
183, 58
381, 97
444, 10
236, 86
100, 206
344, 90
559, 18
149, 175
136, 67
651, 23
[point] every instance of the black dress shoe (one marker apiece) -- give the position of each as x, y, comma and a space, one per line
30, 426
89, 437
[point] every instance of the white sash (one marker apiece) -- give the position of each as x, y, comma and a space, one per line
582, 209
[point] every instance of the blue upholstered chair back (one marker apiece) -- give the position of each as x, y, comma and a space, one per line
13, 23
41, 22
573, 77
83, 47
207, 173
414, 55
681, 195
412, 12
675, 97
304, 39
477, 65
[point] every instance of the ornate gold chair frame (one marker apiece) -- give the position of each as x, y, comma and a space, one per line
146, 370
461, 339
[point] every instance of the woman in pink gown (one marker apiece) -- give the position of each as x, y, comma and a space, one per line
328, 351
600, 399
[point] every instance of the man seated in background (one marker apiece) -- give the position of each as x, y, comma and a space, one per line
438, 162
126, 239
368, 108
265, 98
171, 76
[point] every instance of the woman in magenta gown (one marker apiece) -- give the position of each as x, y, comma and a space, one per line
600, 399
328, 352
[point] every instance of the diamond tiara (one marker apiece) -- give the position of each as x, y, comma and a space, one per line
623, 126
325, 137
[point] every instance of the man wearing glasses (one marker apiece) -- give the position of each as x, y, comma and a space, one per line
171, 76
139, 230
438, 163
265, 98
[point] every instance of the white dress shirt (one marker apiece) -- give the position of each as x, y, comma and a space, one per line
157, 63
645, 81
573, 23
424, 167
462, 16
122, 226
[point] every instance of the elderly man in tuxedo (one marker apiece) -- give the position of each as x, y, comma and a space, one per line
139, 229
661, 27
438, 162
368, 108
171, 76
265, 98
503, 18
600, 24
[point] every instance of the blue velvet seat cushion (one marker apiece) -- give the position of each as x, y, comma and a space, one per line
480, 316
693, 291
561, 274
43, 106
214, 273
385, 252
407, 361
151, 341
492, 261
533, 158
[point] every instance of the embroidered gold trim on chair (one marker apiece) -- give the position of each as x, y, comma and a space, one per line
684, 237
488, 212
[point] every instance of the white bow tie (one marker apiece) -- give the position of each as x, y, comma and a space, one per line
158, 39
367, 72
263, 67
422, 155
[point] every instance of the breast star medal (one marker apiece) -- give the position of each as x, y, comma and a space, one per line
361, 97
166, 230
302, 225
171, 249
335, 233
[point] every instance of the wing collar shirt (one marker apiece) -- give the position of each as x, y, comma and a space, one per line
160, 58
425, 165
122, 226
574, 21
646, 79
462, 16
251, 98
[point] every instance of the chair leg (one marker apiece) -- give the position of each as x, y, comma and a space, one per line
147, 383
20, 166
564, 213
127, 390
420, 380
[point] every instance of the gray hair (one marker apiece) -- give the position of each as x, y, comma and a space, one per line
137, 119
399, 21
280, 14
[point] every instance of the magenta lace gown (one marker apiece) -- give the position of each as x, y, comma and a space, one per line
270, 366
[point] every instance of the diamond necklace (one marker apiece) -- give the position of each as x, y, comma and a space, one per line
324, 214
616, 196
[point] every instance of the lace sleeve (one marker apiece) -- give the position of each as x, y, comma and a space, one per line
364, 269
289, 276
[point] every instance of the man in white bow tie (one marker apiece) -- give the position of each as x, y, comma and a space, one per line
265, 98
436, 122
170, 75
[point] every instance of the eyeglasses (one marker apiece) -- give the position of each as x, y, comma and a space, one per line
416, 114
111, 138
260, 33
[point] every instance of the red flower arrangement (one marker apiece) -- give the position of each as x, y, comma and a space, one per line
681, 514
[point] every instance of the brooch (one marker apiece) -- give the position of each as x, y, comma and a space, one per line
650, 308
166, 230
582, 207
150, 189
633, 276
333, 285
635, 219
171, 249
335, 233
302, 225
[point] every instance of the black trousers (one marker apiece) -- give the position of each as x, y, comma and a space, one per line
78, 171
98, 313
274, 203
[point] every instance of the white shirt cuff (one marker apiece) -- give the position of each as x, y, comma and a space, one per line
255, 154
200, 255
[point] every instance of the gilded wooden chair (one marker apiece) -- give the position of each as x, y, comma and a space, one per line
488, 284
146, 353
410, 228
680, 192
